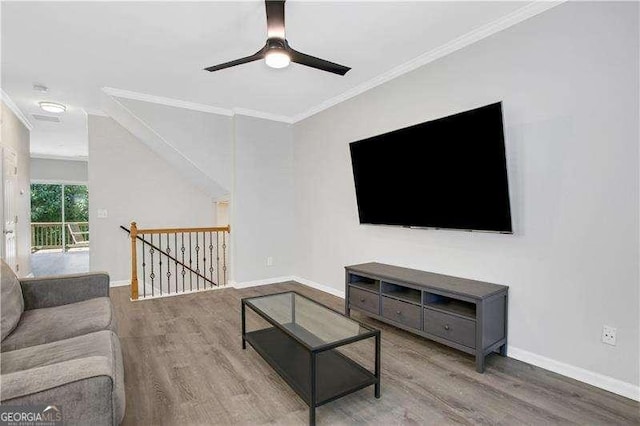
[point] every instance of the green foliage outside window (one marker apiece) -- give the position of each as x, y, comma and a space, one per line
46, 203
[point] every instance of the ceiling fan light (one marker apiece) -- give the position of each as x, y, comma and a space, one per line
277, 58
52, 107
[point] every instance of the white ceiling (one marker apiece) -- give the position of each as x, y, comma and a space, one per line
160, 48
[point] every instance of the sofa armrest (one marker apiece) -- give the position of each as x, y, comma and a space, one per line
52, 291
83, 390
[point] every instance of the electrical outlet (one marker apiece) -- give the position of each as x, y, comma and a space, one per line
269, 261
102, 213
609, 335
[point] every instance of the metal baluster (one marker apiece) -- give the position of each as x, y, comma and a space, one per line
175, 258
168, 265
197, 262
182, 250
211, 257
152, 275
224, 258
204, 260
218, 258
190, 264
160, 260
144, 274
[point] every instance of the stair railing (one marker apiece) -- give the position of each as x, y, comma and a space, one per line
172, 261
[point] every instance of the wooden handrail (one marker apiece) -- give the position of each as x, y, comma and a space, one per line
185, 230
172, 257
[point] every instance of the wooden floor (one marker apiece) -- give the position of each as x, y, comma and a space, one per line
184, 365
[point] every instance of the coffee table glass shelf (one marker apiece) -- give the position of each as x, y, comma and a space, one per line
302, 342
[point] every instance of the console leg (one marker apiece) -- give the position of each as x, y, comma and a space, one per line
480, 363
313, 382
244, 328
377, 368
312, 416
503, 350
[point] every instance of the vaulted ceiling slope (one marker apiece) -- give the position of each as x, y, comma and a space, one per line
160, 48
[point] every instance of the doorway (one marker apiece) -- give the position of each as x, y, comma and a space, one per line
9, 218
59, 228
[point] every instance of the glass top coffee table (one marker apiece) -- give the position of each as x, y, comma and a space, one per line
301, 345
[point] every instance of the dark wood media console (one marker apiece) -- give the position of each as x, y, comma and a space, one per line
465, 314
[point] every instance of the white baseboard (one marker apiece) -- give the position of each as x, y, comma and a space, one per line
303, 281
255, 283
607, 383
182, 293
318, 286
120, 283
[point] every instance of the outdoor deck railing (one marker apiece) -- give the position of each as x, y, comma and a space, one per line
50, 235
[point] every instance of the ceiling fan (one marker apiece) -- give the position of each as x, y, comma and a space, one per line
276, 52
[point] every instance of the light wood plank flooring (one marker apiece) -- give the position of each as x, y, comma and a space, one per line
184, 365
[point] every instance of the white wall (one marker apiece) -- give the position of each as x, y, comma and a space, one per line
569, 82
133, 184
16, 136
203, 137
262, 200
196, 144
58, 171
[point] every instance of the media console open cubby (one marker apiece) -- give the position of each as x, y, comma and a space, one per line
465, 314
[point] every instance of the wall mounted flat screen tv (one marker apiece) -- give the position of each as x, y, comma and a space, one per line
446, 173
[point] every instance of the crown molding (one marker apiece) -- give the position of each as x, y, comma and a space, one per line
467, 39
14, 108
160, 100
177, 103
82, 158
263, 115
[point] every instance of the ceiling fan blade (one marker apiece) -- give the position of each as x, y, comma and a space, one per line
313, 62
255, 57
275, 18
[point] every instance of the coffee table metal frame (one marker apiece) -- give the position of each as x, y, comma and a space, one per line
309, 392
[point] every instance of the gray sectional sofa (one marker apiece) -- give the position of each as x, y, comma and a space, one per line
59, 346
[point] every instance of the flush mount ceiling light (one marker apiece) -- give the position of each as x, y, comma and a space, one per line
277, 57
52, 107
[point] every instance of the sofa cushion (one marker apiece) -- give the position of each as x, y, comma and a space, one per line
11, 301
39, 326
37, 371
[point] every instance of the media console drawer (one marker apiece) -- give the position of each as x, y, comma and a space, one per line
402, 312
450, 327
363, 299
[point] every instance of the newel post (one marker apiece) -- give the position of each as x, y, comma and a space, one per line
134, 262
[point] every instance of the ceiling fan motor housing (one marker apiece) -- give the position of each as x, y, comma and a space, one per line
277, 43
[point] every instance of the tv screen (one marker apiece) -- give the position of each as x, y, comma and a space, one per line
446, 173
